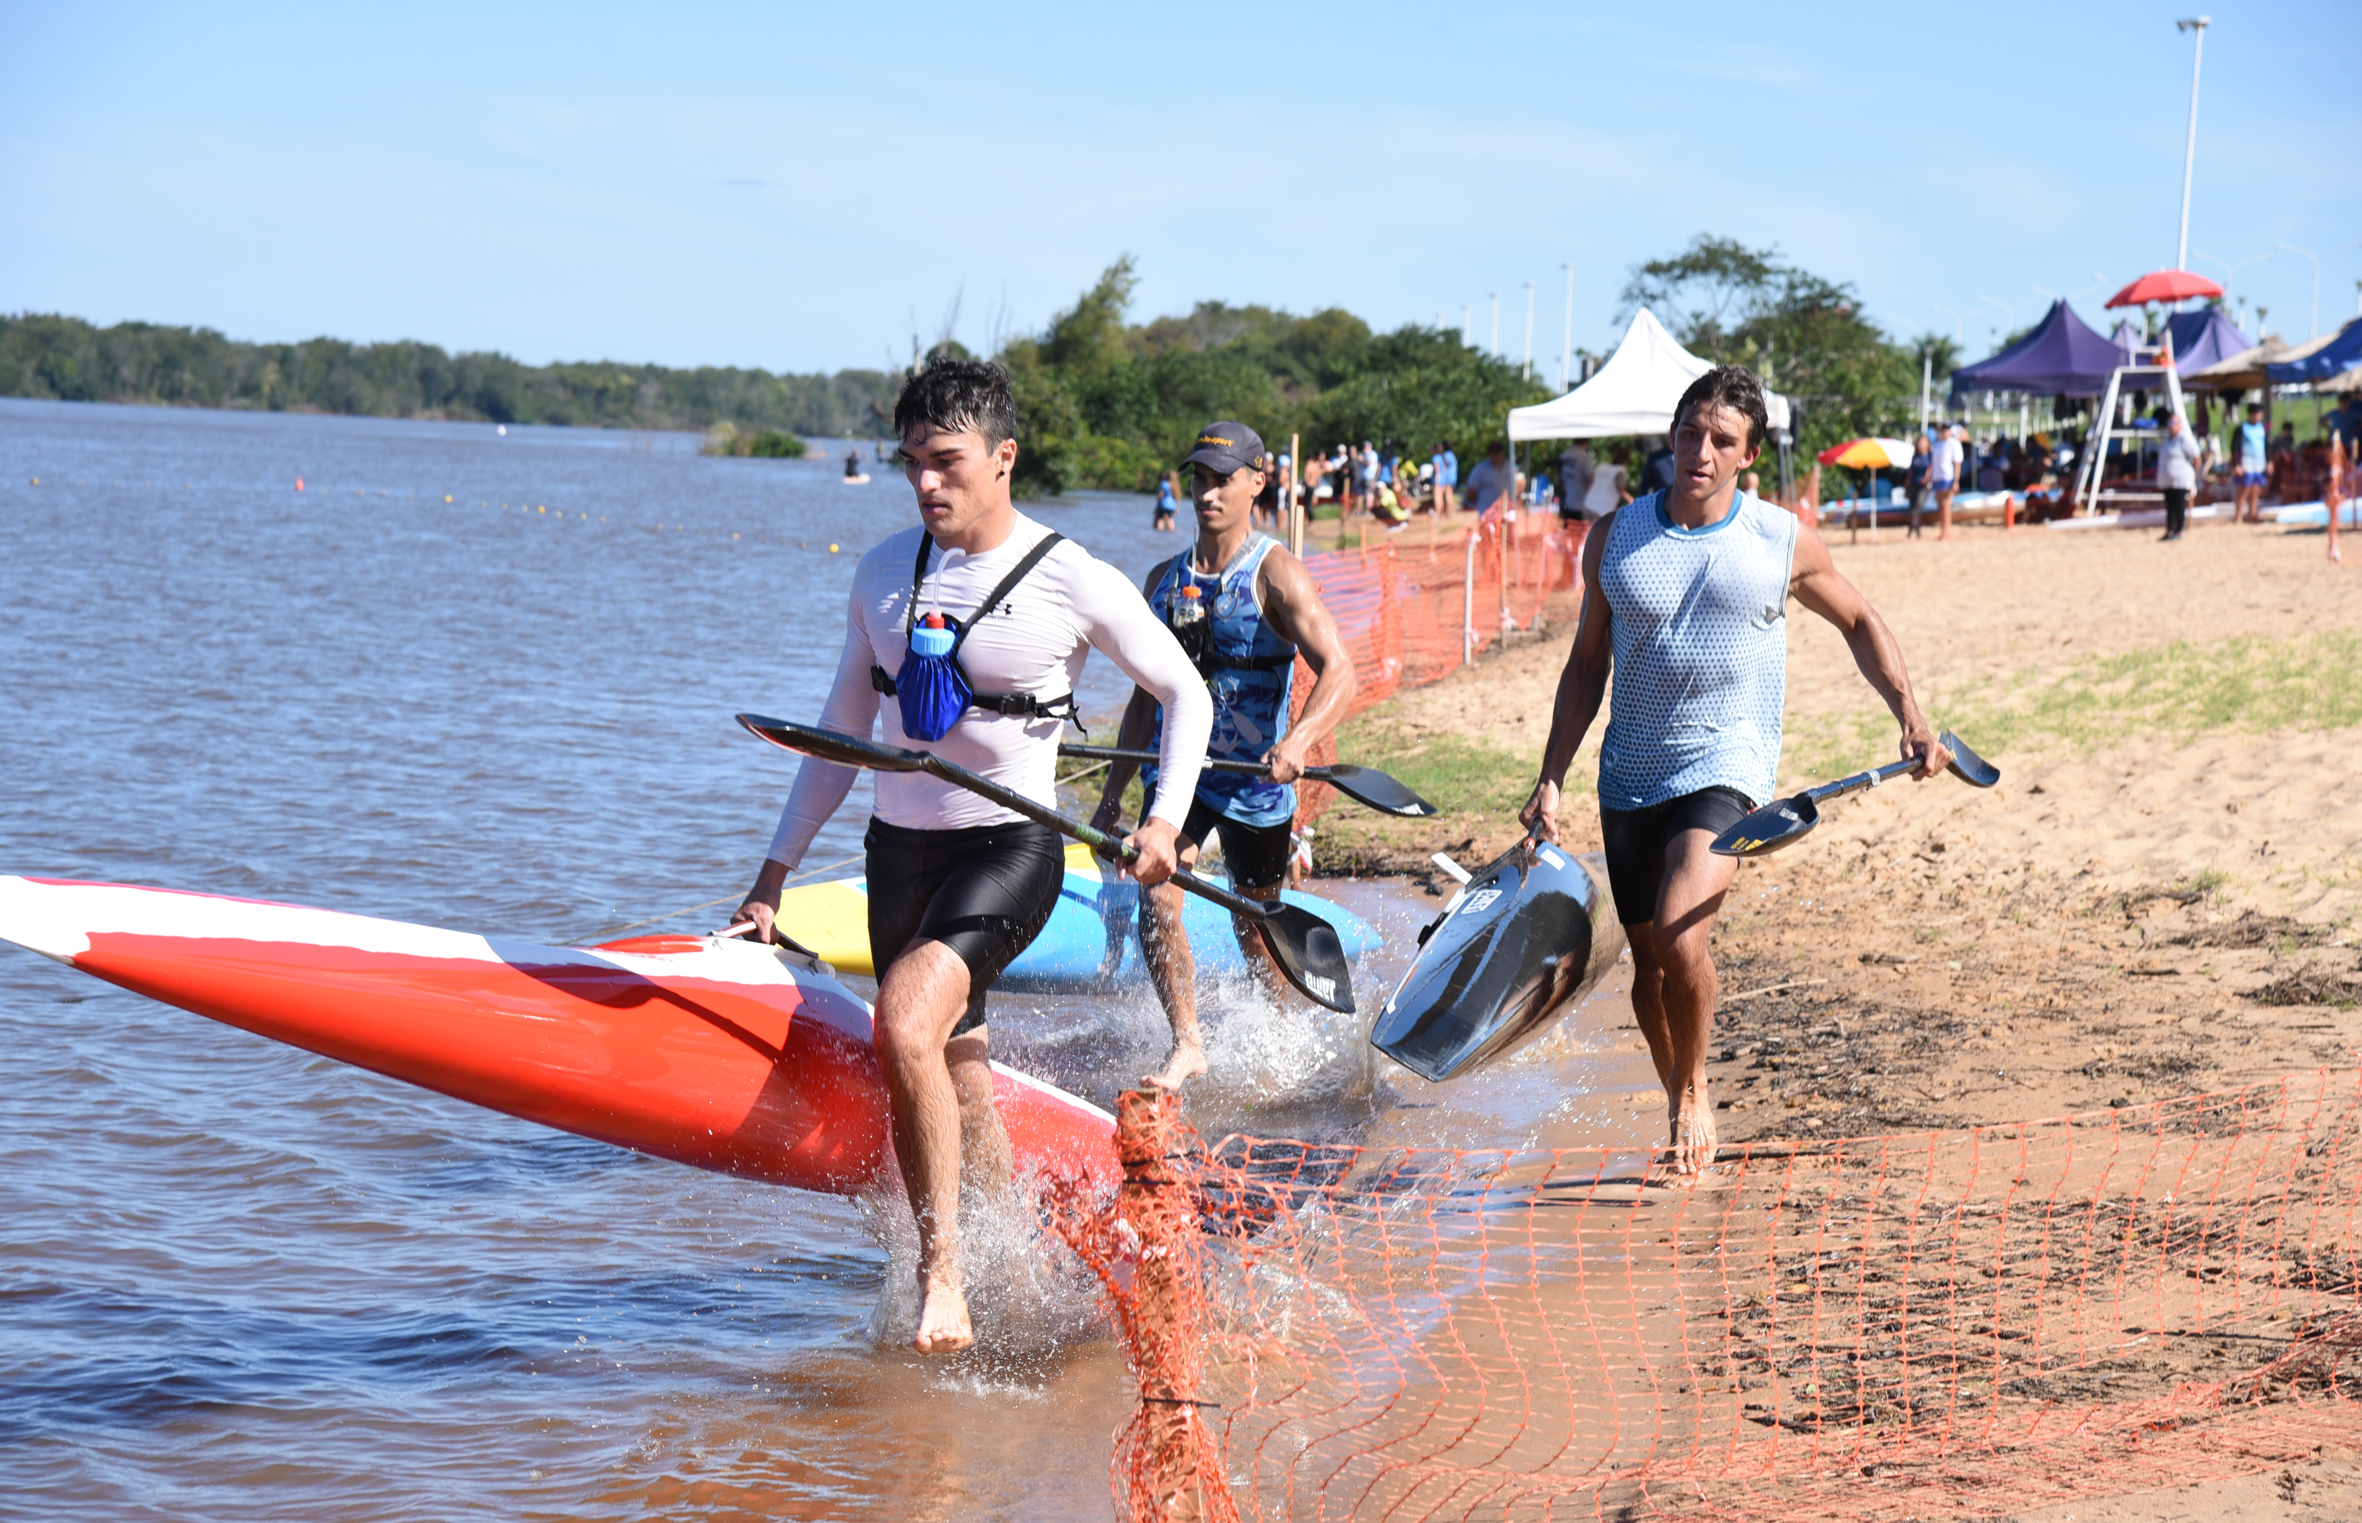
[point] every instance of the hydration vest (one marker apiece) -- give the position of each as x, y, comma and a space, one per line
1250, 671
931, 688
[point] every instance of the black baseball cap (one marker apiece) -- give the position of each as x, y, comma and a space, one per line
1226, 447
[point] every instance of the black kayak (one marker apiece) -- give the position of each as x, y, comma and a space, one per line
1514, 950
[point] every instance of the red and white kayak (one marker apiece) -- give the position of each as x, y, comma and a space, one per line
722, 1054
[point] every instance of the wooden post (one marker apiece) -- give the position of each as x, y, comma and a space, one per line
1295, 495
2332, 490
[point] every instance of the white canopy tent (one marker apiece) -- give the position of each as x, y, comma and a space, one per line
1635, 392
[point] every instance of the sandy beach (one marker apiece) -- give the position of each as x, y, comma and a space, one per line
2159, 898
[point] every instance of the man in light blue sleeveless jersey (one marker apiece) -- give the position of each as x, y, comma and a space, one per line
1685, 598
1259, 611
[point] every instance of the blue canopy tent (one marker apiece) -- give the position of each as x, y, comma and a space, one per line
2063, 356
2341, 354
2204, 337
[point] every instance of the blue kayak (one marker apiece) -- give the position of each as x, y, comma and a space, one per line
1092, 940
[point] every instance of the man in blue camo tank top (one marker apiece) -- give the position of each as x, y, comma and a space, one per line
1257, 610
1685, 600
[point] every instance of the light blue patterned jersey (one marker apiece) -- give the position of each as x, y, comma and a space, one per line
1254, 670
1700, 623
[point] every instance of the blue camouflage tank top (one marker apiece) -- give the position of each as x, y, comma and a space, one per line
1253, 672
1699, 618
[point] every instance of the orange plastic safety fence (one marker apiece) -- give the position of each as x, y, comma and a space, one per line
1413, 607
1957, 1323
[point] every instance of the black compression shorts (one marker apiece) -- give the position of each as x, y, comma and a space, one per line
1637, 838
1254, 854
985, 892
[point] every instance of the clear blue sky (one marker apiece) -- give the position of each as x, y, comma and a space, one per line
787, 186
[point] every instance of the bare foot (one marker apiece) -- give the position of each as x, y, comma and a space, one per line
1186, 1061
943, 1319
1693, 1141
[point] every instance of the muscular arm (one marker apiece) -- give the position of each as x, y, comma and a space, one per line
1815, 582
1582, 687
1292, 607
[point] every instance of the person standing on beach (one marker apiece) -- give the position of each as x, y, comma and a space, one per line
2255, 464
959, 886
1575, 470
1943, 474
1915, 481
1447, 478
1255, 611
1492, 479
1685, 596
2177, 473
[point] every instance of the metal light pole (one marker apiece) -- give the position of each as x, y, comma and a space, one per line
2230, 270
2007, 311
1566, 346
2313, 330
2181, 247
1496, 296
1528, 369
1959, 328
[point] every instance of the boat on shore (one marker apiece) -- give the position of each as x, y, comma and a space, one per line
1091, 943
722, 1054
1521, 944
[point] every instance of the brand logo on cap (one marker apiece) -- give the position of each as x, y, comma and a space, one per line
1214, 439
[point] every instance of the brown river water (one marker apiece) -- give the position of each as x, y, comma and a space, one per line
241, 1282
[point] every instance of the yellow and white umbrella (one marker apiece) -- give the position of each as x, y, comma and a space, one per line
1873, 454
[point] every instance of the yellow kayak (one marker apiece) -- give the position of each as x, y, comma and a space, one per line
1091, 940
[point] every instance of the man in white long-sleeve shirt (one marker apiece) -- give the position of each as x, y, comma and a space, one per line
959, 886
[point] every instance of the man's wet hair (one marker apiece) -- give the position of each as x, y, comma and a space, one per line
954, 395
1734, 387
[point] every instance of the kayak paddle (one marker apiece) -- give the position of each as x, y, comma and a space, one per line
1363, 785
1784, 822
1303, 945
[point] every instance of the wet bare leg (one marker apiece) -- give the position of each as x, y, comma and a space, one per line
1172, 968
987, 1165
1674, 989
1251, 945
920, 999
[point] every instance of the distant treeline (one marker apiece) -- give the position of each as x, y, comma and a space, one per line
1105, 403
68, 359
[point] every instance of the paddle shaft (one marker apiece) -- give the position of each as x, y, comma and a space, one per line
1364, 785
1211, 763
1860, 780
1110, 847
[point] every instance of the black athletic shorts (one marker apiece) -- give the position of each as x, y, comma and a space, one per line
1637, 838
1256, 854
985, 892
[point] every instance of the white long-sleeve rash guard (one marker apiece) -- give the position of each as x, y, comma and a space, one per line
1034, 642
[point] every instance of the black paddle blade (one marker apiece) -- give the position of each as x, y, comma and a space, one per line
1309, 955
832, 746
1969, 767
1380, 791
1780, 823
